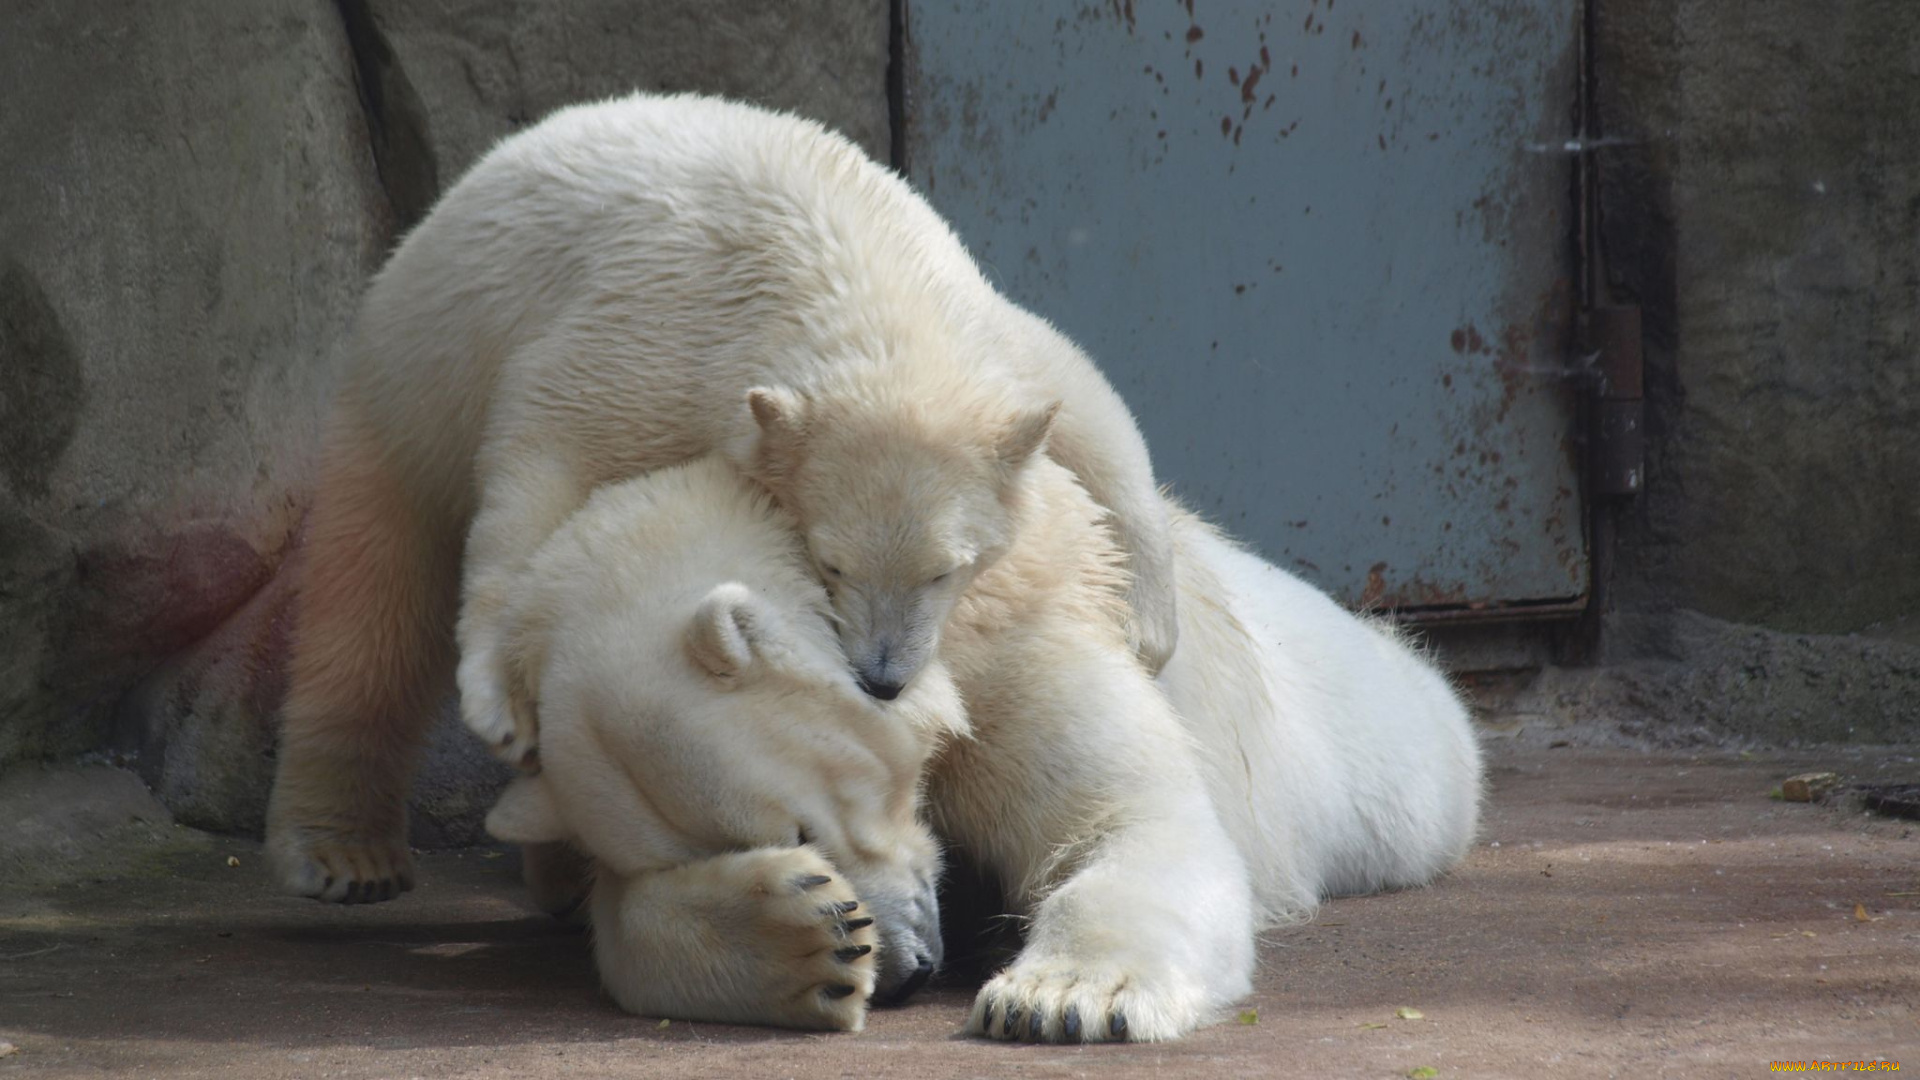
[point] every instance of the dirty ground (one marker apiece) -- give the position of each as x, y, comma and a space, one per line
1624, 913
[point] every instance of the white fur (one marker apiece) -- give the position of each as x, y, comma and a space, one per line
592, 301
1340, 759
698, 723
1298, 752
596, 298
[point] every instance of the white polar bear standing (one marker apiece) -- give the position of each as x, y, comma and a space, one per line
592, 301
1306, 753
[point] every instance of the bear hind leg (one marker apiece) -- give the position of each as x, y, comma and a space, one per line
371, 643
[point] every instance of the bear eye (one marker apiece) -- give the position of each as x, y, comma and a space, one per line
940, 578
832, 570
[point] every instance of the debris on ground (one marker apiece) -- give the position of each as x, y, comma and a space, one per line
1808, 787
1405, 1013
1891, 800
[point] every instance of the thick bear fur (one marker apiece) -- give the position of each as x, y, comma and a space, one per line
1143, 832
748, 808
593, 301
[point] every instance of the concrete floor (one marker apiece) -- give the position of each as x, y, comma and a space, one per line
1624, 913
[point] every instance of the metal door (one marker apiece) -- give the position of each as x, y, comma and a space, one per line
1320, 247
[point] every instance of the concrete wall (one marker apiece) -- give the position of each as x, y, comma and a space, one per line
1765, 213
192, 195
1767, 218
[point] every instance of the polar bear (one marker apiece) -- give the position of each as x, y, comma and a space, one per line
750, 811
1143, 832
594, 300
1338, 758
1079, 787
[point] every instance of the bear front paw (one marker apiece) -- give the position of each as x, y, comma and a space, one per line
816, 942
508, 729
1057, 1002
769, 936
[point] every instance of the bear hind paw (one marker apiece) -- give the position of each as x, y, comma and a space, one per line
344, 870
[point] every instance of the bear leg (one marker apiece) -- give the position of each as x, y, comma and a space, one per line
370, 646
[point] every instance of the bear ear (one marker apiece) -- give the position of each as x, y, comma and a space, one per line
780, 417
729, 631
525, 814
1025, 434
780, 413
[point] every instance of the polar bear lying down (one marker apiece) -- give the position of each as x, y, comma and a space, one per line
756, 820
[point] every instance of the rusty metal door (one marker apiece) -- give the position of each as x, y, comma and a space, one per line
1321, 247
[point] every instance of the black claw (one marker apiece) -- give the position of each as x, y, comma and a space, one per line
811, 881
838, 990
851, 953
1117, 1025
986, 1016
1035, 1026
846, 906
1071, 1024
507, 739
856, 924
1007, 1021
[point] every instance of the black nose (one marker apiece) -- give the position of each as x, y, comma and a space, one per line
921, 973
885, 691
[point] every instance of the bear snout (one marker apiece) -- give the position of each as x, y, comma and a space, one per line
885, 691
915, 979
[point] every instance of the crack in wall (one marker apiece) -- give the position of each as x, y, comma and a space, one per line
396, 119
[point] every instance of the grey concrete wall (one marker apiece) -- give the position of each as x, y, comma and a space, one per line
1765, 213
1767, 218
192, 195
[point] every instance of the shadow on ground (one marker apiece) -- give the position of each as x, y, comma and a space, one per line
1622, 911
